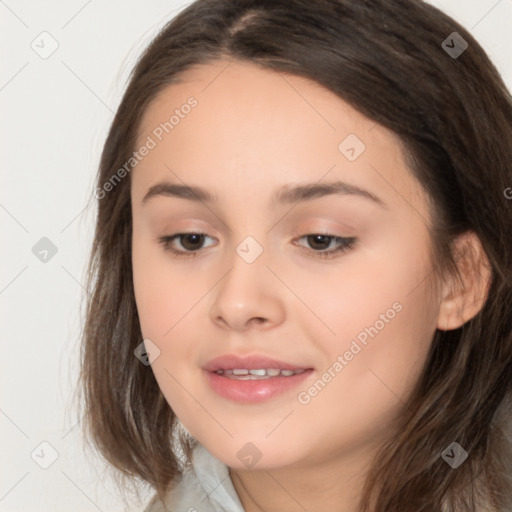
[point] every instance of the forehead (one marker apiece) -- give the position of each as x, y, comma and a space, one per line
259, 127
237, 91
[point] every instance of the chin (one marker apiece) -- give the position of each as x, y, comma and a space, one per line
257, 454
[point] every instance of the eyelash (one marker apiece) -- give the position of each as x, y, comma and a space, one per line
346, 244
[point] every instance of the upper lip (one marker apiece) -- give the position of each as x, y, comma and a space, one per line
252, 362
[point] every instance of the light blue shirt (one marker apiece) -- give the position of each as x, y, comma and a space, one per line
205, 487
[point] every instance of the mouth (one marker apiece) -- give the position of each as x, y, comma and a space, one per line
258, 374
252, 379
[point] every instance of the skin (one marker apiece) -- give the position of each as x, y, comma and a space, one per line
252, 132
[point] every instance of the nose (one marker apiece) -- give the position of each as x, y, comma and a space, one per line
248, 296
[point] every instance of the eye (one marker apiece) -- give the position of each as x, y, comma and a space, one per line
322, 241
191, 242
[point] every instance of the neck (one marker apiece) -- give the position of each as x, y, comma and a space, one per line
335, 484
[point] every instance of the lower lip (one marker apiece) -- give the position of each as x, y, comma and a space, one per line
253, 391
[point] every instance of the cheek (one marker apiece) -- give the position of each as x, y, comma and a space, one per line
165, 300
385, 323
384, 335
164, 294
374, 292
168, 298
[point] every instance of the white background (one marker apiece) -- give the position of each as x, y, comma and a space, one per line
55, 115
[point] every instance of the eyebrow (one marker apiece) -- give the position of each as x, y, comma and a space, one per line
286, 194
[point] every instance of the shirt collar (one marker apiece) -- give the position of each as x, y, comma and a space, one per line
213, 476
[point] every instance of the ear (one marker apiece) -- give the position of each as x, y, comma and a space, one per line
464, 297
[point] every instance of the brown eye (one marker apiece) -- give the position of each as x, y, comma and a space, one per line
319, 242
190, 243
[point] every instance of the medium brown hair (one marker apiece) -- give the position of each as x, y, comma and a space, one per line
454, 119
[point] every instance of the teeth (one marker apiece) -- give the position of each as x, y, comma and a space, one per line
256, 374
260, 373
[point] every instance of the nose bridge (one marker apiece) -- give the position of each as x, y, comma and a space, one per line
249, 250
246, 293
247, 278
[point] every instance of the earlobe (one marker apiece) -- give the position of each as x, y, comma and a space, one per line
464, 297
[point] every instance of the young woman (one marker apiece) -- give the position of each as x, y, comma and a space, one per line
301, 270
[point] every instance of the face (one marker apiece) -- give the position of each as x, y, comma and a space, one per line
256, 271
